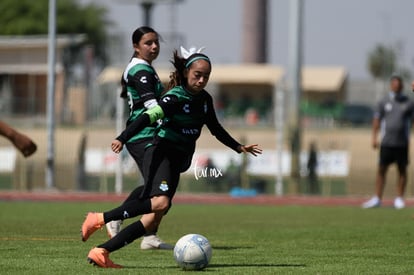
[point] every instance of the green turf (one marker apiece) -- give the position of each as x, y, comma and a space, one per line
43, 238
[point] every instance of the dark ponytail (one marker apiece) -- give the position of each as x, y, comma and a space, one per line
177, 77
124, 93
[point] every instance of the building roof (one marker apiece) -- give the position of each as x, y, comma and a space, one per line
28, 68
37, 41
315, 79
323, 79
28, 54
246, 74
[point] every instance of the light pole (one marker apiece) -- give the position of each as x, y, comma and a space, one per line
295, 86
50, 108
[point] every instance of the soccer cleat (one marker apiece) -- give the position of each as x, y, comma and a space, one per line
113, 228
372, 203
399, 203
93, 222
154, 242
100, 257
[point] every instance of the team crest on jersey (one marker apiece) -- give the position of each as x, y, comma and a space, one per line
164, 186
143, 79
186, 108
388, 107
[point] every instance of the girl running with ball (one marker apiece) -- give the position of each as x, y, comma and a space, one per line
184, 109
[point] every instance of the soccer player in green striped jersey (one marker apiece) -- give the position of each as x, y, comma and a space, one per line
185, 109
142, 88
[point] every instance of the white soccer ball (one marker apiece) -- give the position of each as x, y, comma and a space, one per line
192, 252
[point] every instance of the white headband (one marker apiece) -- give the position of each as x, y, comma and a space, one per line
187, 53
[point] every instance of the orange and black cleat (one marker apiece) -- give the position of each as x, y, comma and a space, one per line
93, 222
100, 257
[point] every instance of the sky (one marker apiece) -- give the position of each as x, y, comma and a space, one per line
336, 32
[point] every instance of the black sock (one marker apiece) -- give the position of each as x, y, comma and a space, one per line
125, 237
152, 232
135, 194
127, 210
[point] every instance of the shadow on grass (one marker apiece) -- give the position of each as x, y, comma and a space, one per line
231, 247
254, 265
212, 267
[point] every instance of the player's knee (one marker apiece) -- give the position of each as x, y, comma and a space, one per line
160, 204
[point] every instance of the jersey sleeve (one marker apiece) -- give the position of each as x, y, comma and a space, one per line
217, 129
134, 127
168, 106
145, 84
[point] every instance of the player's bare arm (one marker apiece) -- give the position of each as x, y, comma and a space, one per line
375, 129
22, 142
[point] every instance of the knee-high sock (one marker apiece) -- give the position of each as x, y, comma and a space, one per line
127, 210
125, 237
135, 194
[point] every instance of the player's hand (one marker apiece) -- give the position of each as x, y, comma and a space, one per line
252, 149
116, 146
375, 144
23, 143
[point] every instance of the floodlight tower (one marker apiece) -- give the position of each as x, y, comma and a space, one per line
147, 6
255, 26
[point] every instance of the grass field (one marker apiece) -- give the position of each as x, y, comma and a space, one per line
43, 238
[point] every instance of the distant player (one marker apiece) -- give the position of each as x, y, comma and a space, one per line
142, 88
23, 143
185, 109
394, 117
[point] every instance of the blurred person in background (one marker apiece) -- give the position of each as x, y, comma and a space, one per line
23, 143
312, 166
393, 117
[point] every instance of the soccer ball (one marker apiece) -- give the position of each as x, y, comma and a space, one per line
192, 252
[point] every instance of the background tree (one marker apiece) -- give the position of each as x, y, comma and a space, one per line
28, 17
382, 62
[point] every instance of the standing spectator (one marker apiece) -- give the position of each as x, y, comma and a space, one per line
312, 165
394, 116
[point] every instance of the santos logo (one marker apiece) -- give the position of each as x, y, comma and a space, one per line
143, 79
186, 108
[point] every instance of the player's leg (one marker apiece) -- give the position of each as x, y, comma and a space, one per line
386, 158
100, 254
160, 186
95, 220
402, 162
380, 182
137, 150
132, 208
150, 239
113, 227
